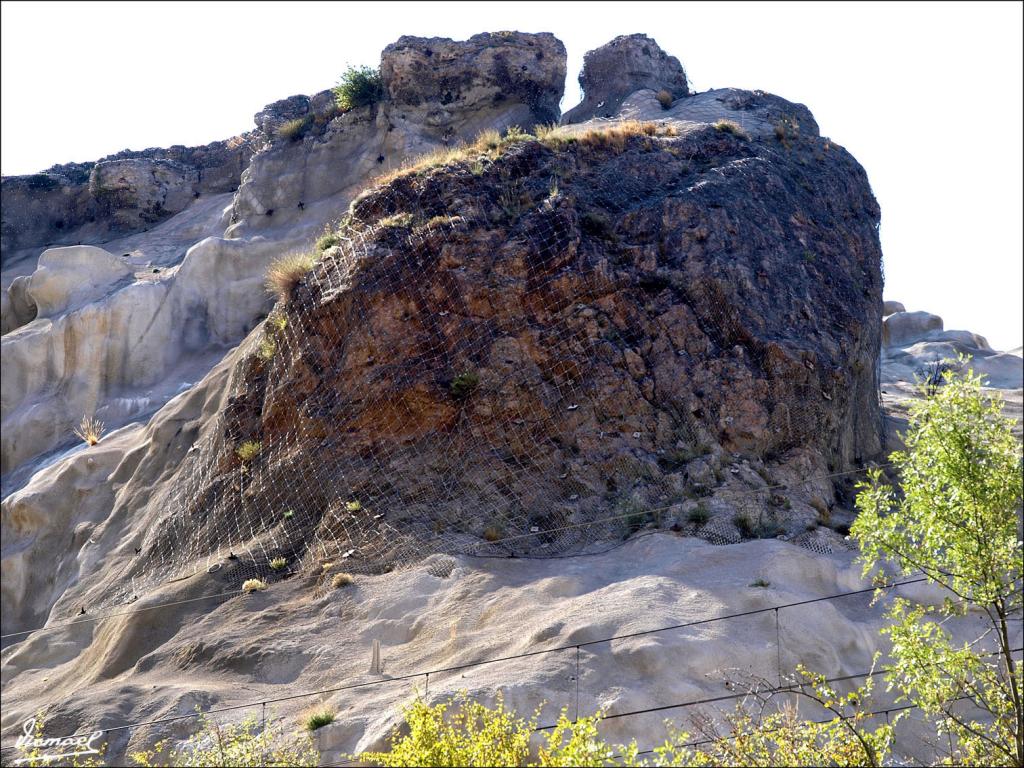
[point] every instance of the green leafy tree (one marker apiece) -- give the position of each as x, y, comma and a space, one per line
957, 520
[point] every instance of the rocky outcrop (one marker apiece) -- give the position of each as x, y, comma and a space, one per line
916, 345
117, 195
438, 93
508, 353
489, 69
627, 64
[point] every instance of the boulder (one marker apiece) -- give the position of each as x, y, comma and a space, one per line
18, 306
477, 74
627, 64
903, 328
892, 307
71, 276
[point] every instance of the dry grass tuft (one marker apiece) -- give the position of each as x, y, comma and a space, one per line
253, 585
90, 430
287, 272
664, 98
278, 563
492, 533
342, 580
731, 126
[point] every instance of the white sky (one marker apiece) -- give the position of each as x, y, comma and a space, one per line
926, 96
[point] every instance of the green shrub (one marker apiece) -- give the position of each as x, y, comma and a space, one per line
358, 87
760, 583
319, 719
278, 563
327, 240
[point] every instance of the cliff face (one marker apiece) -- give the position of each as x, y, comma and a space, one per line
544, 333
117, 195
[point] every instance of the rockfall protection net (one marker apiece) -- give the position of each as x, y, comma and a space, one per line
494, 365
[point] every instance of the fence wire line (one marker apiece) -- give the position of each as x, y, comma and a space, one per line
501, 659
627, 515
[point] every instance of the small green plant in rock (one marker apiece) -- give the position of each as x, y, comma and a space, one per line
249, 450
278, 563
699, 515
358, 87
744, 526
328, 239
267, 348
463, 385
317, 720
760, 583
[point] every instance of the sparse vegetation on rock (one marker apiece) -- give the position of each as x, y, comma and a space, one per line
358, 87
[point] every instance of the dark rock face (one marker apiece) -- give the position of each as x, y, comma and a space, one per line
119, 194
496, 345
477, 73
625, 65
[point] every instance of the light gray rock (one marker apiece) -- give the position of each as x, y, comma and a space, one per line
71, 276
627, 64
903, 328
18, 307
892, 307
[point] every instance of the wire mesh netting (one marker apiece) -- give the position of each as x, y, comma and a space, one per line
540, 351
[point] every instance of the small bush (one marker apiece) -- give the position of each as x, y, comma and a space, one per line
745, 527
492, 533
319, 719
353, 506
760, 583
664, 98
358, 87
267, 348
90, 430
293, 130
249, 450
699, 515
278, 563
342, 580
287, 272
463, 385
730, 126
253, 585
327, 240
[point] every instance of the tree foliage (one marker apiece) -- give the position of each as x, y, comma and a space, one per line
957, 520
